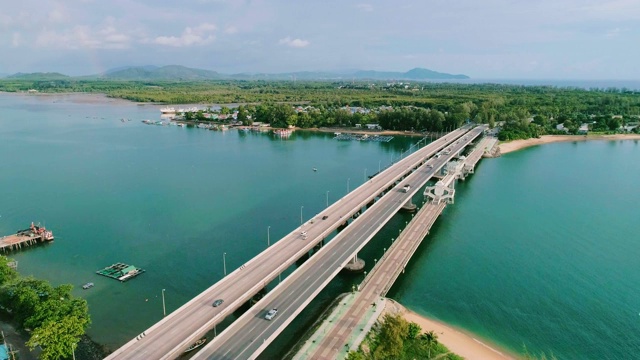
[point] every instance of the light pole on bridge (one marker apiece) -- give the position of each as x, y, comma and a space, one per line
268, 236
164, 309
327, 198
301, 207
224, 263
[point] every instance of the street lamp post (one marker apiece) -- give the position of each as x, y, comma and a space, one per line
268, 236
301, 207
327, 198
164, 309
224, 263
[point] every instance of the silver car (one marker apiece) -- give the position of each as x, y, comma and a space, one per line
271, 314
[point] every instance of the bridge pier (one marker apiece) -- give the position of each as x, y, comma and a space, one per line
318, 246
355, 265
409, 206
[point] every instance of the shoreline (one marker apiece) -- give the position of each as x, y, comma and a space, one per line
516, 145
460, 342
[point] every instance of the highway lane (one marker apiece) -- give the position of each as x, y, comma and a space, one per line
169, 337
251, 333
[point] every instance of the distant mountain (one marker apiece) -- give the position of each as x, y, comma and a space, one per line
300, 75
182, 73
145, 67
38, 76
413, 74
169, 73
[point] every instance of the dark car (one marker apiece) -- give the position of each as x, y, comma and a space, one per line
218, 302
324, 217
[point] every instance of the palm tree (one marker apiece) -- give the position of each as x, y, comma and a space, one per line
430, 338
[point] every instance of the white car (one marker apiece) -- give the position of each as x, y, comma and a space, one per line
406, 188
271, 314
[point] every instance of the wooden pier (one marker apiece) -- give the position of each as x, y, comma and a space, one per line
33, 235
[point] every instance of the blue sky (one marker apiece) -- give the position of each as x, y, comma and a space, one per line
500, 39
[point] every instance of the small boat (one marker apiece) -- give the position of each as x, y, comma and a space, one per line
196, 345
315, 169
87, 286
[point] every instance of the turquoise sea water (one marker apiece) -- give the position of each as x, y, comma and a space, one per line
539, 249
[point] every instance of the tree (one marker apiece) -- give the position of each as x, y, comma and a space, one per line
355, 355
243, 116
392, 332
57, 339
414, 330
7, 274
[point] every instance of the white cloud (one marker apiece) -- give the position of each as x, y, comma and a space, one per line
365, 7
296, 43
614, 33
231, 30
57, 16
16, 39
83, 37
200, 35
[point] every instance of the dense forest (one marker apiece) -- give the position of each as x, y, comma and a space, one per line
55, 319
520, 111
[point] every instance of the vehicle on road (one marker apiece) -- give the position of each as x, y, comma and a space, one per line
271, 314
218, 302
325, 217
406, 188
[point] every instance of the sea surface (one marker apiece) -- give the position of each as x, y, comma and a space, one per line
540, 248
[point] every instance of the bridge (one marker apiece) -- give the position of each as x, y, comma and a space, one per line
251, 333
329, 341
168, 338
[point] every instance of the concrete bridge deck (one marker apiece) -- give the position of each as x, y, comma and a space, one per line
168, 338
345, 332
251, 333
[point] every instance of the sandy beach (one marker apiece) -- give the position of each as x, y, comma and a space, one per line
547, 139
458, 342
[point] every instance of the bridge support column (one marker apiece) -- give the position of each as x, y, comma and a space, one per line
409, 206
356, 265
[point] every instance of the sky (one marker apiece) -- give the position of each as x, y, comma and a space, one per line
488, 39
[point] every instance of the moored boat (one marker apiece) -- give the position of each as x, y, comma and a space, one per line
196, 345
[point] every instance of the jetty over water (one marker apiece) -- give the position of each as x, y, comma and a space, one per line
363, 137
31, 236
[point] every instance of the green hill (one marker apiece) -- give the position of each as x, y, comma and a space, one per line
413, 74
38, 76
170, 72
